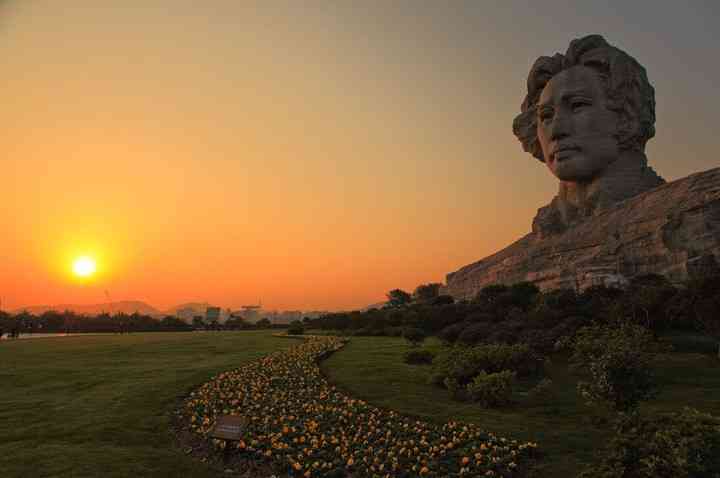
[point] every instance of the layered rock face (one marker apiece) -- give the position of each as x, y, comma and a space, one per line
673, 230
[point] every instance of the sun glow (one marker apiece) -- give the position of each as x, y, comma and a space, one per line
84, 266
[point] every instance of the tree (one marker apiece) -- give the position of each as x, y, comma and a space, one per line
172, 322
264, 323
235, 323
523, 294
198, 322
490, 293
414, 335
398, 298
426, 292
296, 328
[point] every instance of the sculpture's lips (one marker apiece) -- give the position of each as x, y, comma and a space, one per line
564, 151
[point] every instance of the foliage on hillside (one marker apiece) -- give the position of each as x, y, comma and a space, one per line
522, 314
685, 444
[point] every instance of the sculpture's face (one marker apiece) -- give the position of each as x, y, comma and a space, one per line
577, 133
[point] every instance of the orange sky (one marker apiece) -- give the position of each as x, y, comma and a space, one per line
313, 157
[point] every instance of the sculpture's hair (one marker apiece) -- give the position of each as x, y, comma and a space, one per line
626, 85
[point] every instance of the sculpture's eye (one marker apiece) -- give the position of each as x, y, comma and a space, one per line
579, 104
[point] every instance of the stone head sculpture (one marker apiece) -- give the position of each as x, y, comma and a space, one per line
588, 115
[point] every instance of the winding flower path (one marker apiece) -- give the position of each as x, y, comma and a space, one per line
303, 426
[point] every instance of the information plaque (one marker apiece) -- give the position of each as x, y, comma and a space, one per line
230, 427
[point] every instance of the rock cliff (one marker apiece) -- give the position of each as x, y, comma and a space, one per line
673, 230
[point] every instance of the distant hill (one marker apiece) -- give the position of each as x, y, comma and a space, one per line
125, 306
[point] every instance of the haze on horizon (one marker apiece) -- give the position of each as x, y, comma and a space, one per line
314, 156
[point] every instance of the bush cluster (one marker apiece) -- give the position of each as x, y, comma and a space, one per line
618, 361
682, 445
414, 335
492, 389
418, 357
463, 364
296, 328
543, 391
522, 314
484, 373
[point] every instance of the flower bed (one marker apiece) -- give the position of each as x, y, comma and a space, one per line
303, 426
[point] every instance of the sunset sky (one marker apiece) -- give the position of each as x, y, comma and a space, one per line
313, 154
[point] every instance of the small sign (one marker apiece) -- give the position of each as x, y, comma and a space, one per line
230, 427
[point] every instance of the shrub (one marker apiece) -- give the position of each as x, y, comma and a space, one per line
682, 445
491, 293
507, 332
492, 389
414, 335
482, 316
523, 294
450, 333
679, 311
475, 333
645, 303
618, 359
516, 314
544, 340
456, 391
706, 313
693, 343
296, 328
418, 357
392, 331
443, 300
542, 391
465, 363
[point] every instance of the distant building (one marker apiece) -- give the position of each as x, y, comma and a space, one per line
251, 313
186, 314
212, 314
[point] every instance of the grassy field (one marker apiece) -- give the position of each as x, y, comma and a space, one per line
101, 405
371, 368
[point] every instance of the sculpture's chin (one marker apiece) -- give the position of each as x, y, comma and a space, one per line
575, 170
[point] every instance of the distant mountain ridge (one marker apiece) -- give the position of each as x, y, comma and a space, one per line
123, 306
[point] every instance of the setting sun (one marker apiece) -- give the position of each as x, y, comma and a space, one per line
84, 266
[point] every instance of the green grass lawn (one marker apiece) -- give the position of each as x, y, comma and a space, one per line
101, 405
371, 368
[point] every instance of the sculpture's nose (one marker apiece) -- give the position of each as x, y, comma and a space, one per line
559, 128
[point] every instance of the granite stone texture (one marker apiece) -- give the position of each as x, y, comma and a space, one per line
673, 230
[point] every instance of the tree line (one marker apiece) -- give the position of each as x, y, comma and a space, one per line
521, 313
12, 325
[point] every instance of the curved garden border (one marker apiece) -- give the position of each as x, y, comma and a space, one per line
300, 425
